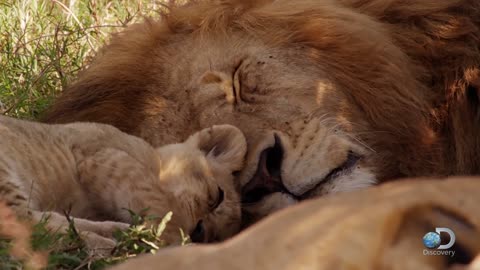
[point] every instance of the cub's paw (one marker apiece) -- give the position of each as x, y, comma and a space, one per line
98, 235
101, 228
96, 244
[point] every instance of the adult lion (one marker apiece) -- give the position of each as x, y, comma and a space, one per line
333, 95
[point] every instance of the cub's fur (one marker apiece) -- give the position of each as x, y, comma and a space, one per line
96, 172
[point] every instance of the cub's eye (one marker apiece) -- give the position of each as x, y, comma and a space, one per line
198, 234
219, 200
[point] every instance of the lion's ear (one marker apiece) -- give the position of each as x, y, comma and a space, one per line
223, 144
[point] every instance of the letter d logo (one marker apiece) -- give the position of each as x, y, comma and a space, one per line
452, 237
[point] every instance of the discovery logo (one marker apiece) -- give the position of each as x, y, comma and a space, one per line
433, 242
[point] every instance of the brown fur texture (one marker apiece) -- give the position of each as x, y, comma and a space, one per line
95, 172
394, 82
379, 228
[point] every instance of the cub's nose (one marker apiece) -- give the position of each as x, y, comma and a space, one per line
267, 178
198, 234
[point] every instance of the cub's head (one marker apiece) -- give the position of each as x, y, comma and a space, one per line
197, 177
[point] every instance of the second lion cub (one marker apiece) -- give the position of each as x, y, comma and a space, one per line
97, 171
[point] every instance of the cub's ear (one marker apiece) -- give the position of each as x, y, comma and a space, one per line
224, 144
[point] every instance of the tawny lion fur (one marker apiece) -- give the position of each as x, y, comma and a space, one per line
398, 82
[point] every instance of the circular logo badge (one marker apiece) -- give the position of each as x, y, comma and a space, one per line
432, 240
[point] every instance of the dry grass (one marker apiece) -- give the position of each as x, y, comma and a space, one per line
44, 43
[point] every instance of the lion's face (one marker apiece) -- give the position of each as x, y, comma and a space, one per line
306, 135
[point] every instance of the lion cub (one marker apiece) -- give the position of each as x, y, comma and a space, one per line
96, 172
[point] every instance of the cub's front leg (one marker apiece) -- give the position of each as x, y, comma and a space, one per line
97, 235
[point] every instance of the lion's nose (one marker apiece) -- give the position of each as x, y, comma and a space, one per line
267, 178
